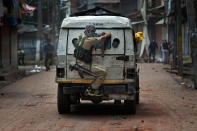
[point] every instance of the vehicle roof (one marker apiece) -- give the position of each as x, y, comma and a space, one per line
98, 21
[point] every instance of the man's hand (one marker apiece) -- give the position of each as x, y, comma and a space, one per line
105, 36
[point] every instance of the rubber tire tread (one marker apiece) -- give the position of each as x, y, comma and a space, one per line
63, 101
137, 89
130, 106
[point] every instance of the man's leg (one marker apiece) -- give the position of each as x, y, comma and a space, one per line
149, 57
23, 60
166, 56
101, 74
50, 60
153, 56
163, 55
19, 61
46, 62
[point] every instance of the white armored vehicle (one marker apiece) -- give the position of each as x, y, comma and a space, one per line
122, 80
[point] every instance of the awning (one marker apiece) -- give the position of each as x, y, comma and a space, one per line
157, 8
137, 22
162, 22
27, 29
134, 14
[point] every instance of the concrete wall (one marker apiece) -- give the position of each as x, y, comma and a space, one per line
90, 4
185, 40
128, 6
27, 42
14, 42
8, 48
152, 31
5, 43
74, 5
159, 38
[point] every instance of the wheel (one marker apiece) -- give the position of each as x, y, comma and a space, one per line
117, 102
137, 90
130, 106
63, 101
75, 99
96, 101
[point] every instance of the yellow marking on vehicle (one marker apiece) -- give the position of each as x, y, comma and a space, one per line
89, 82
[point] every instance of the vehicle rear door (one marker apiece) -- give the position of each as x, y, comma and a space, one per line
112, 59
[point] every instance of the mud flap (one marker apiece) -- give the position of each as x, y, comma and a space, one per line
131, 88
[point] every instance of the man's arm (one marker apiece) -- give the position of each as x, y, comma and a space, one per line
79, 40
105, 36
102, 39
96, 40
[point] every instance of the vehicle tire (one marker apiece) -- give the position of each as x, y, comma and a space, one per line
117, 102
75, 99
96, 101
63, 101
137, 90
130, 106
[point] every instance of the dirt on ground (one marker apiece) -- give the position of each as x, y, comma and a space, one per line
165, 105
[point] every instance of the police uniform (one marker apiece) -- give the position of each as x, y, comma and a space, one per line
86, 44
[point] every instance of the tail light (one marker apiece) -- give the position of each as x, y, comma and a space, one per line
60, 72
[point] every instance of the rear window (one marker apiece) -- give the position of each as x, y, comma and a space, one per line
113, 45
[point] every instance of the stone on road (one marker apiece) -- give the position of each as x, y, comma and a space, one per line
30, 105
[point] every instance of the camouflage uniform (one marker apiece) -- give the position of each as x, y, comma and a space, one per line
99, 71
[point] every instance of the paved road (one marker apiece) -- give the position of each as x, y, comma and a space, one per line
30, 105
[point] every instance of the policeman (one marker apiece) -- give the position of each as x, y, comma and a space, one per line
21, 57
48, 51
83, 54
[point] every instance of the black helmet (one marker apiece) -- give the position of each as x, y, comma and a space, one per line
90, 27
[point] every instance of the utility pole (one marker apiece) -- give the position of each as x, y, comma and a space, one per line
58, 13
179, 37
53, 20
48, 12
146, 40
39, 32
192, 15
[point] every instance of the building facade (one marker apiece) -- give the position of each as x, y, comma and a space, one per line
82, 5
10, 19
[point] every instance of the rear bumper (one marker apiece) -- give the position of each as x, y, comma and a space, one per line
81, 81
109, 88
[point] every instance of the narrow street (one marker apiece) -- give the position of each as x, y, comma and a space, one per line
30, 105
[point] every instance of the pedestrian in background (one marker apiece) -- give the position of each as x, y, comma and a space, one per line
165, 51
21, 57
152, 50
48, 51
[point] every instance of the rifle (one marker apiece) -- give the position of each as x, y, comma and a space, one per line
81, 70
